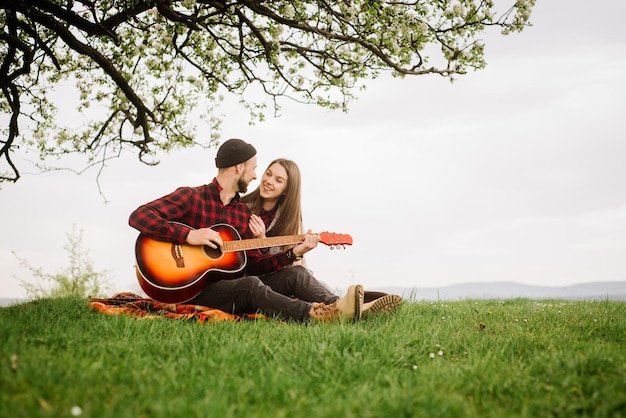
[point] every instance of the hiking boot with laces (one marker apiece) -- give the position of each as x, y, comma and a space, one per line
385, 303
347, 308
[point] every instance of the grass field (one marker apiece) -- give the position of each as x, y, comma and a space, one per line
473, 358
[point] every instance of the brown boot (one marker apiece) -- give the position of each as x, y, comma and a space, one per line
323, 313
348, 307
386, 303
351, 304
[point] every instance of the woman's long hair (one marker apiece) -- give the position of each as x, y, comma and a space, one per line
289, 216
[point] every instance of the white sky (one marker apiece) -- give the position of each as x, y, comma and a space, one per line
513, 173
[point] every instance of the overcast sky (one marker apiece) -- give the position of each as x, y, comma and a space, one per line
513, 173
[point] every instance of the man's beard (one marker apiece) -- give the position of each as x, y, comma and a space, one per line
242, 185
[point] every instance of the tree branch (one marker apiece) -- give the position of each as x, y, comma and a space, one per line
108, 67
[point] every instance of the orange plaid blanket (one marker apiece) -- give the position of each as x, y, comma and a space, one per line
134, 305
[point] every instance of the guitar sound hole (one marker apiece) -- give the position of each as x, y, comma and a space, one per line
213, 253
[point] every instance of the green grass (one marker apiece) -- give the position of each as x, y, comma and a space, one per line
513, 358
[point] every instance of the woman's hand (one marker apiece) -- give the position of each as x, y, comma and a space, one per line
257, 226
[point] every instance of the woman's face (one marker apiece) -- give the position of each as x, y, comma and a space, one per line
274, 182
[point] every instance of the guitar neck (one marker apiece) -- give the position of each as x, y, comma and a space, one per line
249, 244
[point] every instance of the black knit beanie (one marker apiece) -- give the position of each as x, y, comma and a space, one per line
233, 152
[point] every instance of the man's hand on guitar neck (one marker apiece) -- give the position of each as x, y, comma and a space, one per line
204, 236
310, 242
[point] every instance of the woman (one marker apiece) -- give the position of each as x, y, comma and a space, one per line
277, 211
276, 203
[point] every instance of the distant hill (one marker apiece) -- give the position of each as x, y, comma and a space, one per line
614, 291
10, 301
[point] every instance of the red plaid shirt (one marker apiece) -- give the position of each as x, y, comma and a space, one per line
267, 216
201, 207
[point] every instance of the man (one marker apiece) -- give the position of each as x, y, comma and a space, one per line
270, 287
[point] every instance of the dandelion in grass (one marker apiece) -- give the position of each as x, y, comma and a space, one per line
431, 355
76, 410
440, 353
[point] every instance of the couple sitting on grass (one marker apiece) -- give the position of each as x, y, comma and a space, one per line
276, 282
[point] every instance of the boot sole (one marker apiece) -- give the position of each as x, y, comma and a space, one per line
387, 303
359, 294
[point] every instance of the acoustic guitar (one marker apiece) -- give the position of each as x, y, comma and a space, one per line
176, 273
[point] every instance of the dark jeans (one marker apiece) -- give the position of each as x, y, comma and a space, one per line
287, 294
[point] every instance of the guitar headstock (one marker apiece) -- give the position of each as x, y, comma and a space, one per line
335, 240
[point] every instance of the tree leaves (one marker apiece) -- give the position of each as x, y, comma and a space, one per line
150, 65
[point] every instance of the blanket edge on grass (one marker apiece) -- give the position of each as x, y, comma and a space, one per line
128, 303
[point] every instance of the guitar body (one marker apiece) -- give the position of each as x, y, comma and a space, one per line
176, 273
